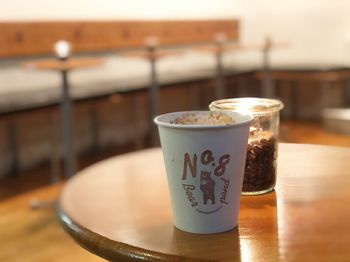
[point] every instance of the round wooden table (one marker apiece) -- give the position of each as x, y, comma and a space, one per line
64, 67
119, 209
152, 54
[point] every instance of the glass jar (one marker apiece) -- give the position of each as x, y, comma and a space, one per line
261, 161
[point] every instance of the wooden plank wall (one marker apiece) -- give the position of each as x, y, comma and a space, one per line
18, 39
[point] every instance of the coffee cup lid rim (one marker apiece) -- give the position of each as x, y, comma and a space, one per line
171, 116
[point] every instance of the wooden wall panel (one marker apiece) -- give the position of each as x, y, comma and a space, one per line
37, 38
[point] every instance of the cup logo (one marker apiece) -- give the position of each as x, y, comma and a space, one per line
211, 178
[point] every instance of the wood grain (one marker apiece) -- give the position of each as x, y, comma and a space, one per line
37, 38
35, 235
119, 209
54, 64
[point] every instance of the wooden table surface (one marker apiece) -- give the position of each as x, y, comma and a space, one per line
238, 47
120, 209
157, 54
36, 235
70, 64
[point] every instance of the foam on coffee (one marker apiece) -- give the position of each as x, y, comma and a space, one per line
212, 118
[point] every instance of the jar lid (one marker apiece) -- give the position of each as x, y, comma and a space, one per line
251, 104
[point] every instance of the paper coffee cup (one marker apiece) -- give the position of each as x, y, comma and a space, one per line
204, 163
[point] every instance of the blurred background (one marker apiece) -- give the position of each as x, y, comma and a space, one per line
80, 81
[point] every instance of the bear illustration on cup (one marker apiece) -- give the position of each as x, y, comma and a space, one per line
207, 185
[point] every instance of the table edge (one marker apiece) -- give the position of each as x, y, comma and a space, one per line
105, 247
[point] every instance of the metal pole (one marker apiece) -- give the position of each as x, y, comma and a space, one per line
220, 86
68, 152
268, 89
153, 95
220, 40
325, 98
62, 49
95, 130
13, 146
295, 99
154, 92
55, 153
347, 92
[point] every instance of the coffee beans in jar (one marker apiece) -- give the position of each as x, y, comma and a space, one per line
260, 166
260, 169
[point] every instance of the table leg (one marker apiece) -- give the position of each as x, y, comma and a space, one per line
95, 130
220, 86
294, 99
324, 94
13, 145
347, 92
138, 118
268, 87
55, 152
153, 98
68, 152
241, 86
268, 90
